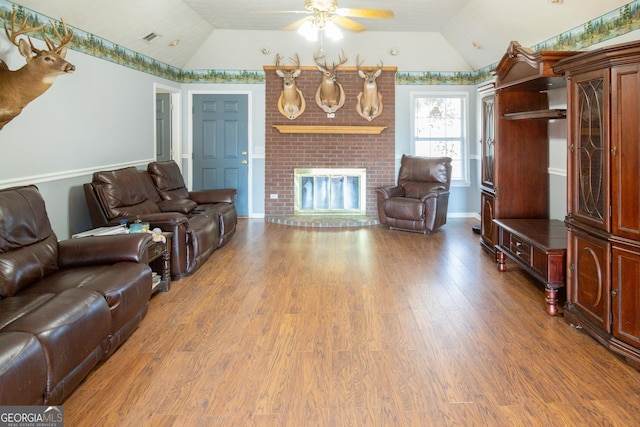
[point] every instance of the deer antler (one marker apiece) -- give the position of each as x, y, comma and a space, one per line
23, 29
342, 58
64, 40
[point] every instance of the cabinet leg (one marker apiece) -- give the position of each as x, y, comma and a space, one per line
551, 297
502, 261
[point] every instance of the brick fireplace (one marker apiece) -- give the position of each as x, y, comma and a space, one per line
324, 143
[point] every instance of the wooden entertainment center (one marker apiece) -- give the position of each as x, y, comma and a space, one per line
515, 161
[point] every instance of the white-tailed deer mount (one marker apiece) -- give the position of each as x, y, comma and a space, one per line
291, 102
369, 103
330, 94
19, 87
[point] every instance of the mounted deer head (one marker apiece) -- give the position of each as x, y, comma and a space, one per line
330, 95
291, 102
369, 100
19, 87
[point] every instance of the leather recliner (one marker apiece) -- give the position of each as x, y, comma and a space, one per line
220, 202
130, 194
420, 200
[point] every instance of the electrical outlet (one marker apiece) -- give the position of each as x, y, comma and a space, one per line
273, 196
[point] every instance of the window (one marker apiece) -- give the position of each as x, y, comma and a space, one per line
439, 129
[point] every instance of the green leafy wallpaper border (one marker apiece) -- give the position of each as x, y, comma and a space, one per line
613, 24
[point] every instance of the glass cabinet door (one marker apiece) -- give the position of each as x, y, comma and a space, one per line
589, 150
488, 141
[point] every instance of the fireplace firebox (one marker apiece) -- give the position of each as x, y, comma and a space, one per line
330, 191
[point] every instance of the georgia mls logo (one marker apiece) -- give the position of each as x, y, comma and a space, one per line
31, 416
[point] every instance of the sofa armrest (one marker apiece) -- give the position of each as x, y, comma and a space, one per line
95, 250
163, 220
388, 192
436, 192
223, 195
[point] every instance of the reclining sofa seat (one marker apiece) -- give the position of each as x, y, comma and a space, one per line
64, 306
130, 194
420, 200
220, 202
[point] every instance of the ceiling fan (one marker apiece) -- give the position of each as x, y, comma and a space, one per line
327, 11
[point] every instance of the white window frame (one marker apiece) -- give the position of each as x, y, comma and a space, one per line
464, 181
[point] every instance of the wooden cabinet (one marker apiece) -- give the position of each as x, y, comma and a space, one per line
603, 215
515, 144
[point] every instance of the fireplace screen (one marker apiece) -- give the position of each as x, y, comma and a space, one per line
329, 191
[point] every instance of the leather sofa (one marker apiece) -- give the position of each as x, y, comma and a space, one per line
130, 194
420, 200
65, 306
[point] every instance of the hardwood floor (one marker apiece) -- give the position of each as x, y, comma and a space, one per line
289, 326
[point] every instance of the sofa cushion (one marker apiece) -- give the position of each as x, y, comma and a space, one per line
404, 208
28, 245
123, 193
184, 206
72, 328
168, 180
22, 267
125, 286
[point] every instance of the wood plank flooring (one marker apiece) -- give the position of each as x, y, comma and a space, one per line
289, 326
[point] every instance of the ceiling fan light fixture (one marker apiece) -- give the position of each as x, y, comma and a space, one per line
332, 31
308, 30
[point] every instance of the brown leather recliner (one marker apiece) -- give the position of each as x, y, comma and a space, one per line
420, 199
171, 187
129, 193
64, 305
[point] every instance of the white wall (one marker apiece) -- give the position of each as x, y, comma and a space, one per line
100, 117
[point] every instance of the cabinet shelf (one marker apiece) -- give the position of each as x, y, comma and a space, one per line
539, 114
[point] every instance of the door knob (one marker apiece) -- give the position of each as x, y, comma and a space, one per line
244, 153
244, 162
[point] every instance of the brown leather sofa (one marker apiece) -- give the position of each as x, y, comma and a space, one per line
64, 306
131, 194
420, 200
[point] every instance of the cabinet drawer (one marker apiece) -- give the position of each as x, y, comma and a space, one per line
154, 250
520, 249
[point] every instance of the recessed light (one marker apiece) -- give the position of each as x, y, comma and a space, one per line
556, 1
476, 45
394, 51
174, 42
265, 50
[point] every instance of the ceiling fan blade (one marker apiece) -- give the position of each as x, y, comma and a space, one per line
295, 25
364, 13
347, 23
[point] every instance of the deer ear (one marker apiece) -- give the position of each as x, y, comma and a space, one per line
361, 74
25, 49
378, 73
296, 73
62, 52
279, 73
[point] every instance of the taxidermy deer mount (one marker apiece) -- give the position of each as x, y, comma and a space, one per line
369, 103
291, 102
330, 95
19, 87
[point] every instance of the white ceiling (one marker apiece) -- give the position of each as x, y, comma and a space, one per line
430, 34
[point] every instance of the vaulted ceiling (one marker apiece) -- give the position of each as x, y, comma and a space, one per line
453, 35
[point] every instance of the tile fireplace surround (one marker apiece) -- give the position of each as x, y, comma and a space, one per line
315, 141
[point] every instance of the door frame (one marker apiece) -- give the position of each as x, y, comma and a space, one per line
189, 156
176, 114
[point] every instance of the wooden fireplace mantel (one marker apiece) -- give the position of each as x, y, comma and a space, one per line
362, 130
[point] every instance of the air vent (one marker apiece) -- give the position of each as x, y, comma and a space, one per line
151, 37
